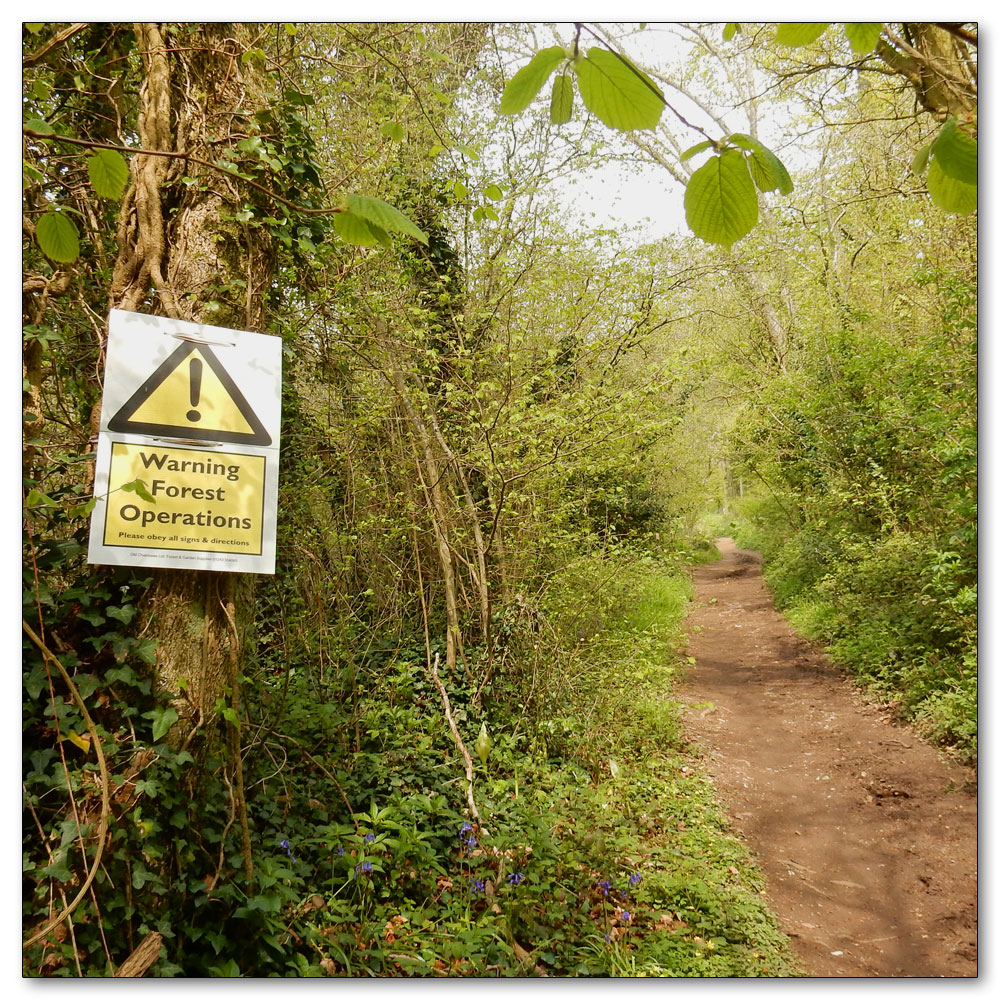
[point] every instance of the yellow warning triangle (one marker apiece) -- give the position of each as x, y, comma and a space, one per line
191, 395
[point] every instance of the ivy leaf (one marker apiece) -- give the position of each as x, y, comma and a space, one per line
798, 33
382, 215
720, 203
57, 237
561, 107
524, 85
951, 194
863, 35
957, 153
163, 719
621, 95
108, 173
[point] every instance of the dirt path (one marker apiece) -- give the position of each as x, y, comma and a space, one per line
867, 836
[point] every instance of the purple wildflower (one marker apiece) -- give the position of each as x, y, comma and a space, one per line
515, 878
478, 885
626, 916
635, 878
288, 849
369, 838
605, 886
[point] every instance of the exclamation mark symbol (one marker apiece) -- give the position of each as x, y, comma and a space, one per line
195, 370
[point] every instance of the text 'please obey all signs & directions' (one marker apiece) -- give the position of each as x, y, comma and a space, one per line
187, 458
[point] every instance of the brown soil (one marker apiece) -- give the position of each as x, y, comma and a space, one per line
866, 834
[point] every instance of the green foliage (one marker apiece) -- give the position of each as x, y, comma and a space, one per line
525, 84
58, 237
799, 33
561, 110
108, 173
874, 457
617, 92
720, 202
953, 171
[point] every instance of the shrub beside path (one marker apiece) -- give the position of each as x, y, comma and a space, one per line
867, 835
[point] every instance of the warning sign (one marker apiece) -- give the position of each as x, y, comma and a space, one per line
193, 395
187, 455
190, 500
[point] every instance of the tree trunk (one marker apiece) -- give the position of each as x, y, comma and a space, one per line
176, 256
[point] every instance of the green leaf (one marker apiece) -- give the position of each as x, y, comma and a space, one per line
29, 174
163, 719
254, 56
720, 203
352, 229
561, 107
39, 125
957, 153
384, 216
622, 96
140, 489
57, 237
696, 149
730, 30
83, 509
36, 498
524, 85
108, 173
919, 162
863, 35
493, 192
393, 131
950, 194
768, 172
797, 33
34, 26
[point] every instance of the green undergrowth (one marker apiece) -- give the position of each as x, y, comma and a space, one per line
598, 850
899, 611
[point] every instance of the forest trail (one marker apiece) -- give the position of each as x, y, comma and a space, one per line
866, 834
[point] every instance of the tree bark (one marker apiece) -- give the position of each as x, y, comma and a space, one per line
176, 255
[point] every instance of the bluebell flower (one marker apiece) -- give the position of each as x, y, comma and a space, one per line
470, 842
466, 827
478, 885
288, 849
340, 851
369, 838
626, 916
605, 886
515, 878
635, 878
364, 867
